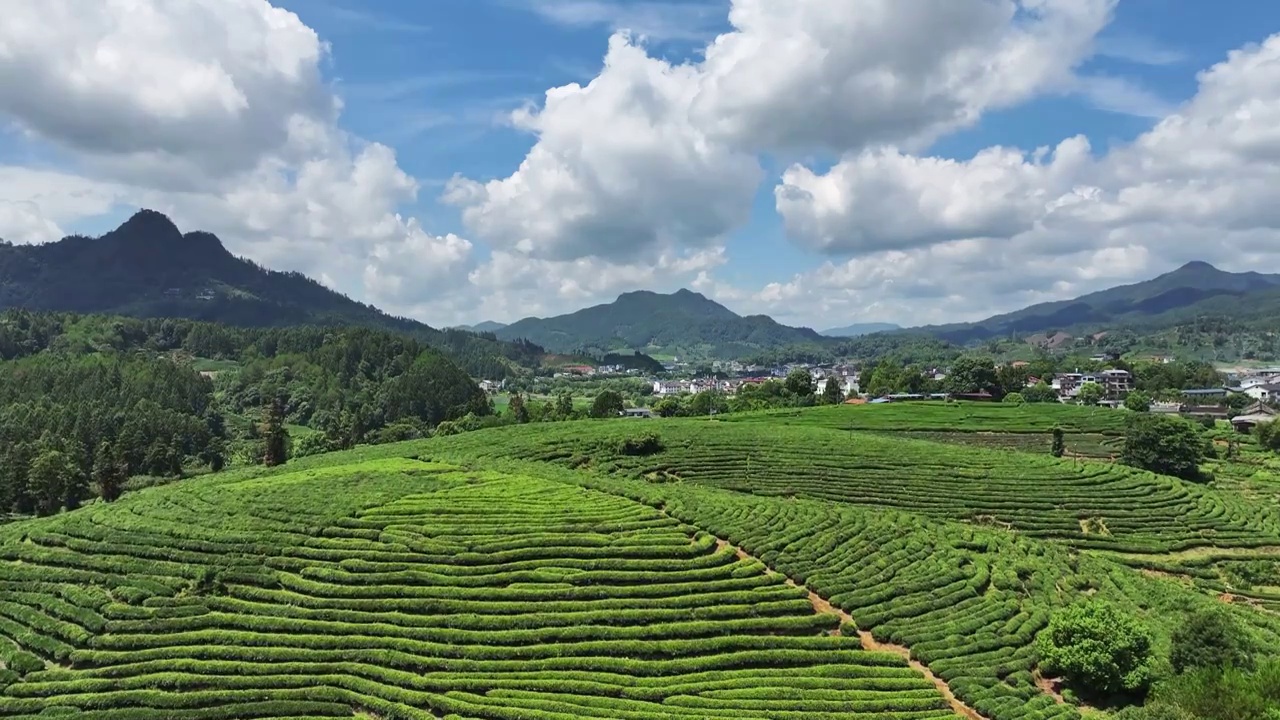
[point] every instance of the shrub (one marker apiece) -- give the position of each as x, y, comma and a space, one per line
1138, 401
1211, 638
1097, 649
1059, 443
1014, 398
1163, 444
640, 445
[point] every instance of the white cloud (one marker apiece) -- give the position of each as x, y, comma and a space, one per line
215, 112
650, 155
938, 239
619, 170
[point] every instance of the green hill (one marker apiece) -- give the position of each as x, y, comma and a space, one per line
148, 268
681, 323
1195, 289
607, 569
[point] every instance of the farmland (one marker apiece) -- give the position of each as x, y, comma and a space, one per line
616, 569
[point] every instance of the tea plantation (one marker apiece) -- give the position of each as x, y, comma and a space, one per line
608, 569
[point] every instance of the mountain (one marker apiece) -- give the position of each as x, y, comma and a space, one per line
859, 329
487, 326
148, 268
682, 323
1194, 289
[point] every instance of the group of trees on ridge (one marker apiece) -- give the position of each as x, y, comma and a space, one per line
87, 401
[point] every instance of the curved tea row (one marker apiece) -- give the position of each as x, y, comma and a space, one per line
1088, 504
409, 590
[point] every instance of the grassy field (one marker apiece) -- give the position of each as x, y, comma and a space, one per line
612, 569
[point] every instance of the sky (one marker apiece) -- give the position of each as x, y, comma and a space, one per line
823, 161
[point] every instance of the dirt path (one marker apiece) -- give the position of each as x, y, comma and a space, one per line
822, 605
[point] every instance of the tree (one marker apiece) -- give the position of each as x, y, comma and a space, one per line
107, 473
564, 406
1014, 398
971, 374
1097, 649
1089, 393
1163, 444
708, 402
1210, 638
1059, 446
516, 408
667, 407
799, 383
51, 476
608, 403
1268, 434
274, 435
832, 394
1138, 401
1041, 392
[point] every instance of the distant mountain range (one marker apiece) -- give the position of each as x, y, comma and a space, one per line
1193, 290
148, 268
487, 326
681, 323
860, 329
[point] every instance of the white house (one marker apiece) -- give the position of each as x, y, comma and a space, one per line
1264, 393
847, 385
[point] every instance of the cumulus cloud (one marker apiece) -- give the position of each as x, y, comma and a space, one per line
651, 155
949, 239
216, 112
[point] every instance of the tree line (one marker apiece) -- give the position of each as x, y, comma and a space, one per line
89, 401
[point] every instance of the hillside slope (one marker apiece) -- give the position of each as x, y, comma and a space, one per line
860, 329
148, 268
1196, 288
683, 322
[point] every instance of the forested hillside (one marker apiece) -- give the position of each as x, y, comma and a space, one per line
88, 401
148, 268
682, 323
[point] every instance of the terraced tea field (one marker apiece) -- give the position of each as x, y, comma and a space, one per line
1089, 504
937, 416
403, 589
614, 569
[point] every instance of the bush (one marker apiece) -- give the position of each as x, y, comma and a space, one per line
1014, 398
1211, 638
1097, 649
1165, 445
640, 445
1138, 401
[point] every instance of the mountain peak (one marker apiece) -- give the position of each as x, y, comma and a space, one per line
1197, 266
151, 224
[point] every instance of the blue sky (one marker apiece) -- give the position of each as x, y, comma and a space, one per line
433, 78
841, 225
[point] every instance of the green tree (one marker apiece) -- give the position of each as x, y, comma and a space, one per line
51, 479
1268, 435
274, 436
1164, 444
832, 394
668, 407
799, 383
971, 374
1014, 398
517, 410
1138, 401
1059, 445
107, 473
564, 406
1097, 649
1089, 393
1211, 638
1041, 392
708, 402
608, 403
